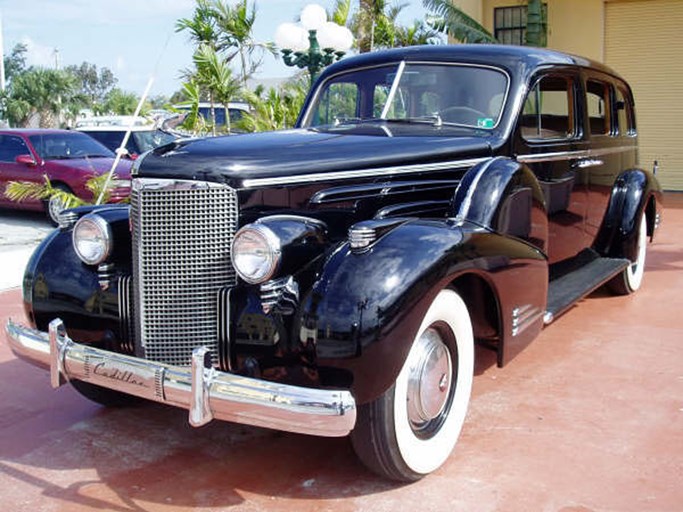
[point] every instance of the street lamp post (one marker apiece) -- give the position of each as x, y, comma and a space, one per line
313, 44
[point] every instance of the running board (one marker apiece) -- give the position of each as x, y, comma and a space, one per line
567, 289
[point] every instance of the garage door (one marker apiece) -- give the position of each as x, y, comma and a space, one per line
643, 43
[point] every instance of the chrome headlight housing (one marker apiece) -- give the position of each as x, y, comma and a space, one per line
92, 239
256, 253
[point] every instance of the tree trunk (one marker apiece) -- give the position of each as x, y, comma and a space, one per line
213, 114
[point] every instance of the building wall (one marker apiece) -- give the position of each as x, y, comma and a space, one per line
641, 40
564, 19
643, 43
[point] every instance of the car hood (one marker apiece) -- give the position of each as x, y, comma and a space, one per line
288, 154
91, 165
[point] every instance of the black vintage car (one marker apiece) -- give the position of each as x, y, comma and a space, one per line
334, 278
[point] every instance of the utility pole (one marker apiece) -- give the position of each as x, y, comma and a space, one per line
2, 58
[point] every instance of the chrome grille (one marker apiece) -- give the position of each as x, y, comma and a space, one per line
182, 231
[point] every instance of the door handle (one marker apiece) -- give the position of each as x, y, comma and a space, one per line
588, 162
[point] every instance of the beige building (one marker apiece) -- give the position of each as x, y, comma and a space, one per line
640, 39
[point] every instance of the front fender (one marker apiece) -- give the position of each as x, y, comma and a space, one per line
503, 195
365, 309
58, 284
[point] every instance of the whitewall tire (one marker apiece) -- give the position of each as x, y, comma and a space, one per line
411, 429
630, 279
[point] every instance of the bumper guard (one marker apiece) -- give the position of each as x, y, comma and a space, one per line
205, 392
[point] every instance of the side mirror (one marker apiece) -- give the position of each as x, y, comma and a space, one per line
26, 160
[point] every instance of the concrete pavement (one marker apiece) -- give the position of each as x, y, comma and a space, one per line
589, 418
20, 234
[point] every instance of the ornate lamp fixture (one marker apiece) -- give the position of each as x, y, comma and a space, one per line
325, 43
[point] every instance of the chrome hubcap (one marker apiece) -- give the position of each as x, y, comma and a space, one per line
430, 378
56, 206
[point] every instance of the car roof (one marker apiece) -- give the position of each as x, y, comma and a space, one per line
32, 131
117, 128
510, 57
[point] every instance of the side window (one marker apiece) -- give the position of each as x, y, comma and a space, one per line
11, 147
597, 107
549, 109
624, 110
339, 102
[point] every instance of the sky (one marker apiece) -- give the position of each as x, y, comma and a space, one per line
136, 39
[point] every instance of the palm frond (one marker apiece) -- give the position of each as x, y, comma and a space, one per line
451, 20
19, 191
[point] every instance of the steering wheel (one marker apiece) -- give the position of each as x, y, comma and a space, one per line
462, 114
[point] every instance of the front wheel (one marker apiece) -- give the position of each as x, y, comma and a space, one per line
630, 279
412, 428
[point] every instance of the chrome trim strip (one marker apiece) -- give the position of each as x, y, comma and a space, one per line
371, 190
524, 317
566, 155
361, 173
204, 392
589, 162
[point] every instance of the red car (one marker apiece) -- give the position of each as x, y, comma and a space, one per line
69, 159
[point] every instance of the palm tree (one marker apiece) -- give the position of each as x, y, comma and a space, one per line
277, 110
38, 92
371, 13
202, 25
213, 72
453, 21
417, 34
203, 32
193, 121
235, 26
341, 12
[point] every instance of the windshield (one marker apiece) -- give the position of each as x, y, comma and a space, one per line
152, 139
66, 146
457, 94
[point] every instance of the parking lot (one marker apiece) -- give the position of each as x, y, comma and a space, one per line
588, 418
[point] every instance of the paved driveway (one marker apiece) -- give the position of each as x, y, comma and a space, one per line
588, 418
20, 233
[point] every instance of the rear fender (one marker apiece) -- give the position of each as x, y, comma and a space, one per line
364, 311
635, 193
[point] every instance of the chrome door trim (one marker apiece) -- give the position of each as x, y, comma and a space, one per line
567, 155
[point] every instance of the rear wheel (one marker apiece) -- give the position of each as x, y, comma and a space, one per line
412, 428
630, 279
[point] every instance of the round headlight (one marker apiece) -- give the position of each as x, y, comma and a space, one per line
92, 239
255, 253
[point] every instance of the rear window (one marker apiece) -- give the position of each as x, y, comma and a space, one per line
597, 107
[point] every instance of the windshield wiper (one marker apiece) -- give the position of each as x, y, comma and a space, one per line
433, 119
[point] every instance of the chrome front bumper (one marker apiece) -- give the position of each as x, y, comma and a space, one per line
204, 391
